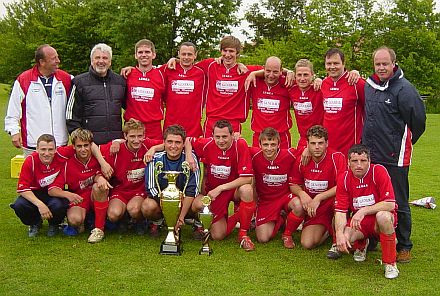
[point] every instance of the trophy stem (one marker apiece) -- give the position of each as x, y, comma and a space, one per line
206, 249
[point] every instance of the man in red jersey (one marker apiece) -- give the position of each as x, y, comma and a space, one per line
343, 104
315, 185
38, 172
145, 90
366, 193
128, 181
185, 90
306, 101
228, 173
273, 175
86, 185
226, 96
271, 103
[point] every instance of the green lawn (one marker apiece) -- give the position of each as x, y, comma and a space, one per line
130, 265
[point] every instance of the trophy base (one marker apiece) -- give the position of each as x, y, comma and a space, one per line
167, 249
205, 250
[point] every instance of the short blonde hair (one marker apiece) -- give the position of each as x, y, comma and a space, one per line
133, 124
82, 135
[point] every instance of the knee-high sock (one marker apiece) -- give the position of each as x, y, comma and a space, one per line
246, 211
388, 244
232, 221
100, 213
292, 223
278, 224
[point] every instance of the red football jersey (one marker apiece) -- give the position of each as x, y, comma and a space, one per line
309, 110
317, 177
270, 106
35, 175
128, 166
226, 97
145, 95
343, 112
79, 177
184, 98
353, 193
223, 166
272, 178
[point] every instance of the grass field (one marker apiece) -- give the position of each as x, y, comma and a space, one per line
130, 265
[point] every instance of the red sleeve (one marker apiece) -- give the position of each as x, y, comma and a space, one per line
66, 152
26, 175
151, 142
198, 145
204, 64
163, 68
297, 177
254, 67
360, 85
254, 150
340, 163
342, 194
244, 159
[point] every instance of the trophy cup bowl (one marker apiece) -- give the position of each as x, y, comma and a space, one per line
205, 217
170, 203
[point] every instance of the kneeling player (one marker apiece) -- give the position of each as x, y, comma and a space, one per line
228, 176
366, 192
272, 169
315, 185
172, 159
87, 187
128, 180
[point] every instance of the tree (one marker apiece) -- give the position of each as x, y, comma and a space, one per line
273, 22
74, 27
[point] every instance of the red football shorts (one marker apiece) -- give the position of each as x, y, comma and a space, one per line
269, 210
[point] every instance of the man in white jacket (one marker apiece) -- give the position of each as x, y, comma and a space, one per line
38, 101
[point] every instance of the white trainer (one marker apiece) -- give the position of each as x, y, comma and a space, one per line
391, 271
360, 255
96, 236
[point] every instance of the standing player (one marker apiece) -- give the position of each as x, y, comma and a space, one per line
172, 159
226, 96
128, 180
145, 90
271, 103
185, 88
307, 102
272, 168
228, 173
87, 187
343, 104
366, 193
38, 172
315, 185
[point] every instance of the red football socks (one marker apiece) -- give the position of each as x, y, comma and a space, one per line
292, 223
388, 244
100, 213
245, 211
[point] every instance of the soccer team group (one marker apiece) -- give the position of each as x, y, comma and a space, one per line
356, 194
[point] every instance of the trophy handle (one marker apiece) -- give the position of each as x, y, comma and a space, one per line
158, 170
186, 171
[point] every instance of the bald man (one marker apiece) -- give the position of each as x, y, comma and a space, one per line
271, 103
